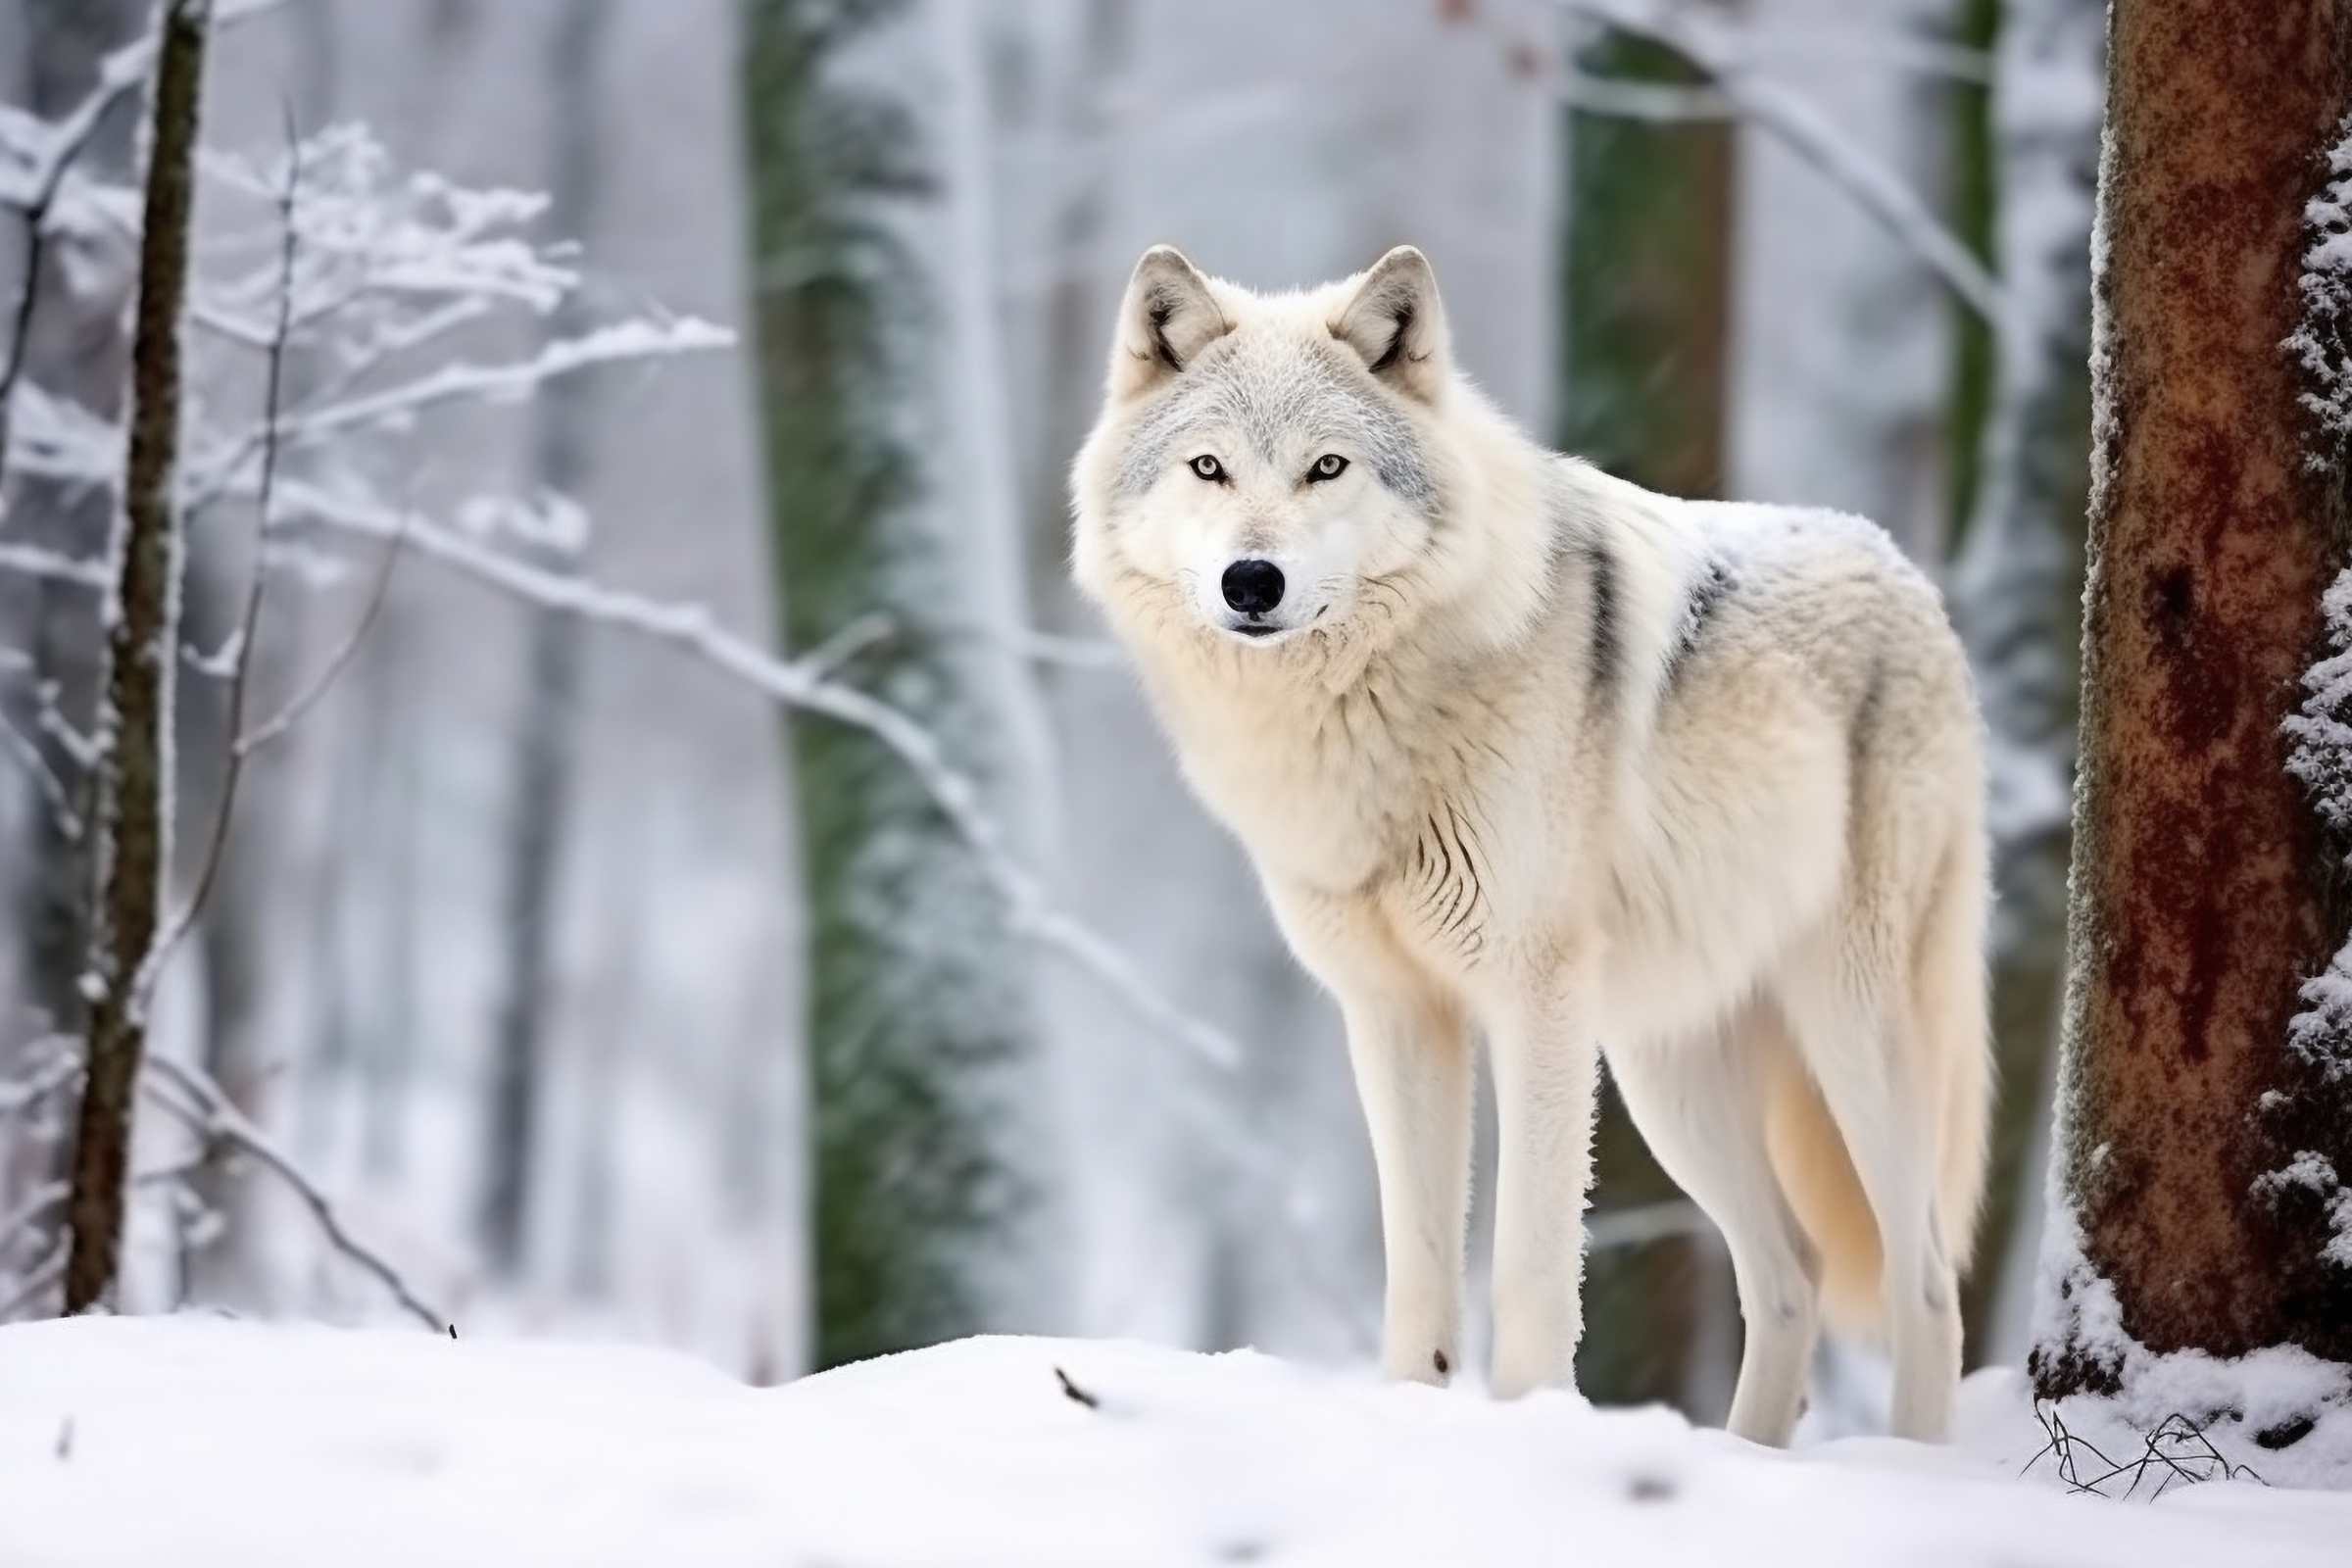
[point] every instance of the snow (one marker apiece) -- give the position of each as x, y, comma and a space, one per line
198, 1440
2319, 343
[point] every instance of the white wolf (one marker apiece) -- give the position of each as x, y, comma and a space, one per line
1522, 747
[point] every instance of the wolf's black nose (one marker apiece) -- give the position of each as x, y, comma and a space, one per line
1252, 587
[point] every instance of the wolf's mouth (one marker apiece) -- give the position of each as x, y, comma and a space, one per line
1249, 630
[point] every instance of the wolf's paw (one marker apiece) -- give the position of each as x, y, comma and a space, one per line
1433, 1365
1532, 1351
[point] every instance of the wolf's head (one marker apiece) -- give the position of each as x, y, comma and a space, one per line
1273, 470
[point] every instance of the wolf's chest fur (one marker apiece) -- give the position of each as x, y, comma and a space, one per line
1398, 790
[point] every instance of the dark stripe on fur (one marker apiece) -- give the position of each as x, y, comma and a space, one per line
1608, 635
1707, 592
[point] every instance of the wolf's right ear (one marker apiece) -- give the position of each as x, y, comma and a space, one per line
1167, 318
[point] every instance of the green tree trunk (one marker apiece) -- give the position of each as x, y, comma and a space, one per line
915, 976
1648, 292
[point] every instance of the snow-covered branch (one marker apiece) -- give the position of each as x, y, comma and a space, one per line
692, 628
201, 1103
1723, 54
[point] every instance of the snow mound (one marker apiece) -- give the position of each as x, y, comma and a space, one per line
199, 1441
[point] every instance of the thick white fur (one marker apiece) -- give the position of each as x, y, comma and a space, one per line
1541, 755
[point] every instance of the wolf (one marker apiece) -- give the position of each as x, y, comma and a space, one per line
1525, 751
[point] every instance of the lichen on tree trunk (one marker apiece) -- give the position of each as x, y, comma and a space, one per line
2202, 894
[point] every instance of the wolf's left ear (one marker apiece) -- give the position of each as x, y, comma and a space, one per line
1167, 318
1396, 322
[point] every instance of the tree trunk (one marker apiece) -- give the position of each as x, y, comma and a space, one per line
919, 991
540, 806
1647, 295
2202, 892
142, 650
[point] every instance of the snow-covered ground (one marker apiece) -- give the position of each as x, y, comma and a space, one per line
189, 1440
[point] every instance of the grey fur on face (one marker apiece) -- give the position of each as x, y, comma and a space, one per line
1274, 392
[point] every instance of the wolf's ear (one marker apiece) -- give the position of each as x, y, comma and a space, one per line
1167, 318
1396, 322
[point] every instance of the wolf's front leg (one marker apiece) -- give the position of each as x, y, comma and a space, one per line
1413, 1073
1547, 1074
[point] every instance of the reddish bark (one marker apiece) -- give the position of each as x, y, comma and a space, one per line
2203, 894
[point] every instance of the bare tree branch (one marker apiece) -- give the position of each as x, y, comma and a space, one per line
1799, 126
39, 1278
302, 702
692, 628
249, 620
35, 191
23, 1094
31, 561
53, 790
208, 1109
38, 1202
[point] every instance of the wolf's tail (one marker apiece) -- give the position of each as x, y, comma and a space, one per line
1954, 1072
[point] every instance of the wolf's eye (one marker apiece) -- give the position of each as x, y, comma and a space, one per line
1209, 467
1330, 466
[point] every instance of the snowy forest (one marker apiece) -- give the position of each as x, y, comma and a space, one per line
553, 784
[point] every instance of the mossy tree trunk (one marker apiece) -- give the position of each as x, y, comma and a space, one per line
1643, 384
915, 974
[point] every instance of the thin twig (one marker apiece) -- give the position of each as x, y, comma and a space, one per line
691, 628
123, 70
40, 1277
216, 1117
39, 1201
1656, 102
2177, 1449
59, 799
50, 565
302, 702
24, 1094
232, 762
453, 384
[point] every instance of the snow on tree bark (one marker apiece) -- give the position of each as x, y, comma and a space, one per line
918, 982
134, 792
2016, 587
2202, 891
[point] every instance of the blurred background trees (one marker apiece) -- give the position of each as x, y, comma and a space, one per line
605, 993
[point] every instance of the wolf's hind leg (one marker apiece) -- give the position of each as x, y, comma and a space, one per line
1699, 1104
1855, 1026
1412, 1064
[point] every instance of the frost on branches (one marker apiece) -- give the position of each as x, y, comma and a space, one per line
380, 283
